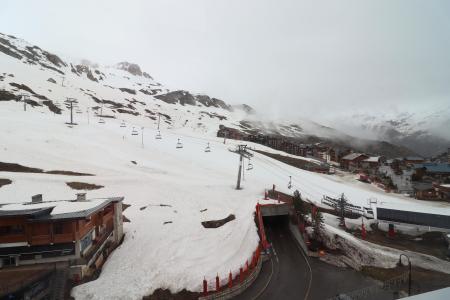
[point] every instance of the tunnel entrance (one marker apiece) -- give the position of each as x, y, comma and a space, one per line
280, 222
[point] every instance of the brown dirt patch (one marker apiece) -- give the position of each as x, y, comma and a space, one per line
218, 223
13, 167
162, 294
83, 186
4, 181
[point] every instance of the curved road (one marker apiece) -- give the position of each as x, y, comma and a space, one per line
287, 275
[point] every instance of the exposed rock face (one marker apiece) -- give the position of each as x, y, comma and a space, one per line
85, 69
51, 80
186, 98
31, 55
133, 69
182, 97
247, 108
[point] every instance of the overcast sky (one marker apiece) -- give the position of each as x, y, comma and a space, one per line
280, 56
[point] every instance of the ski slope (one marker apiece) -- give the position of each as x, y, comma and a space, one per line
154, 255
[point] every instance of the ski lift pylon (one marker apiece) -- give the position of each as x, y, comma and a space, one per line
179, 144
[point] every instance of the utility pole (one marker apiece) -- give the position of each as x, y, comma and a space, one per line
62, 82
87, 112
142, 136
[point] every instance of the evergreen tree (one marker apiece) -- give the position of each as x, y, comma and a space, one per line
299, 205
318, 225
341, 210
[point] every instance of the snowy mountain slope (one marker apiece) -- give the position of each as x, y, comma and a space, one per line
427, 131
122, 91
125, 92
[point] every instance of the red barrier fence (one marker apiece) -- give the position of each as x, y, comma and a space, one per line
246, 269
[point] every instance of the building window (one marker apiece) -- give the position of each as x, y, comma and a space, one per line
58, 228
11, 230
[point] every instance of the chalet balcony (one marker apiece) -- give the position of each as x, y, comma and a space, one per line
41, 239
63, 238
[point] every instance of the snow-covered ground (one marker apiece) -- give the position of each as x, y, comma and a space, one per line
154, 255
177, 255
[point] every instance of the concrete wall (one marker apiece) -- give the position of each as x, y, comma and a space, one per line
275, 210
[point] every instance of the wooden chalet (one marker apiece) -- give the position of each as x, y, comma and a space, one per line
79, 237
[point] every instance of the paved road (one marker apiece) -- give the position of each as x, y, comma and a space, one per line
289, 273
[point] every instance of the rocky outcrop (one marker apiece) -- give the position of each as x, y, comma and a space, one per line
131, 68
86, 70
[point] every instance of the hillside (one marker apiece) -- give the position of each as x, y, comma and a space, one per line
125, 92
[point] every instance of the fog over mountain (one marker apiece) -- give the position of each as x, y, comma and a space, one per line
374, 69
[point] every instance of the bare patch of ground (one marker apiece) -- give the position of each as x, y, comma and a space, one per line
218, 223
162, 294
13, 167
83, 186
4, 181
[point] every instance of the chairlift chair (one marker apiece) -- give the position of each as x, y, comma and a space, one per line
208, 148
123, 125
101, 121
179, 144
134, 132
249, 166
158, 135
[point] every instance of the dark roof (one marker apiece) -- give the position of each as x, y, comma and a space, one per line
434, 167
413, 158
26, 212
418, 218
44, 214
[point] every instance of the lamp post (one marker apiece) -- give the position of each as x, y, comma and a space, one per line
410, 269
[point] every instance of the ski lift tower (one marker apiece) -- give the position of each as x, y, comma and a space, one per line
70, 105
24, 98
242, 151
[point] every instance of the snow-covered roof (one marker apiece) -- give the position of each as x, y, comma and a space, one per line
352, 156
52, 210
373, 159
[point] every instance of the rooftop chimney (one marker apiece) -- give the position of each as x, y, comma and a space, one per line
36, 198
81, 197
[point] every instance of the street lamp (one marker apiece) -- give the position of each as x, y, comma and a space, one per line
409, 276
